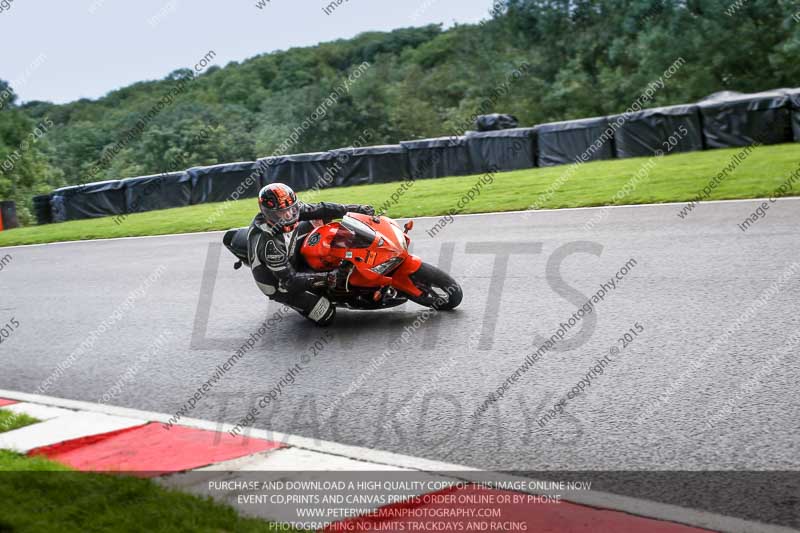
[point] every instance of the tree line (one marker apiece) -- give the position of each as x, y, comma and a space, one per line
583, 58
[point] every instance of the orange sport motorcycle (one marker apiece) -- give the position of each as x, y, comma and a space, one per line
373, 250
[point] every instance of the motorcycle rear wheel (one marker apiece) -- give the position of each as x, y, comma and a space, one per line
439, 290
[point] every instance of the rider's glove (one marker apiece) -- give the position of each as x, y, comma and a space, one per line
317, 281
363, 209
334, 278
337, 279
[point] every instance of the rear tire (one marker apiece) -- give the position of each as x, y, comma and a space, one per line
439, 290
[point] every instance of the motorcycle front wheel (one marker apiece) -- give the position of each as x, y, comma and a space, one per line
439, 290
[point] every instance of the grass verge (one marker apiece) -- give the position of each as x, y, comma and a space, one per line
10, 421
39, 495
674, 178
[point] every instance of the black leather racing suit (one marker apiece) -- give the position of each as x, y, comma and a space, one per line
274, 255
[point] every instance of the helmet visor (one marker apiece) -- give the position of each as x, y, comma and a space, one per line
287, 216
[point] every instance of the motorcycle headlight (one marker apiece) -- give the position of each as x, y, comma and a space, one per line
383, 268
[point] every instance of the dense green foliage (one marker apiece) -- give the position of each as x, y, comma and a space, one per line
585, 58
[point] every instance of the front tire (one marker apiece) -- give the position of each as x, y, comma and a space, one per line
439, 290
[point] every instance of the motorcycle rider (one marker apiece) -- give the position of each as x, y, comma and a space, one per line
274, 241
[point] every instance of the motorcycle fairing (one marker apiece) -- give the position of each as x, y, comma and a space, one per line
362, 239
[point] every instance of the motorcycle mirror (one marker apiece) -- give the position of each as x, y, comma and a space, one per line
409, 226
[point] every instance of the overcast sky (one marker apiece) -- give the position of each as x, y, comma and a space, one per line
61, 51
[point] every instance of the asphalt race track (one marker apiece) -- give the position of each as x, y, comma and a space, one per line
700, 290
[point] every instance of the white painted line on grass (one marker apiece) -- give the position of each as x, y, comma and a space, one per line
37, 411
63, 428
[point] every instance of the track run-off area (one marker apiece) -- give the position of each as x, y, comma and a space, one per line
623, 340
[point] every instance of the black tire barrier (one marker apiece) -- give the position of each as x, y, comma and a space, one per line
512, 149
93, 200
794, 103
733, 120
57, 207
659, 130
722, 120
218, 183
42, 210
301, 172
161, 191
438, 158
8, 215
495, 122
570, 141
370, 164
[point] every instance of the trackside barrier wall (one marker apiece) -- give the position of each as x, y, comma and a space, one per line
299, 171
218, 183
511, 149
370, 164
438, 157
92, 200
42, 210
495, 121
8, 215
794, 104
561, 143
658, 130
160, 191
59, 203
722, 120
733, 120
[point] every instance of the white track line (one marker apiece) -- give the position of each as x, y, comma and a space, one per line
436, 217
63, 428
37, 411
604, 500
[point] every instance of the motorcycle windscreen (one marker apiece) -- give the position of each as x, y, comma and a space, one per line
353, 233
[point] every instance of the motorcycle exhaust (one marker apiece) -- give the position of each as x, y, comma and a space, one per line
386, 292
